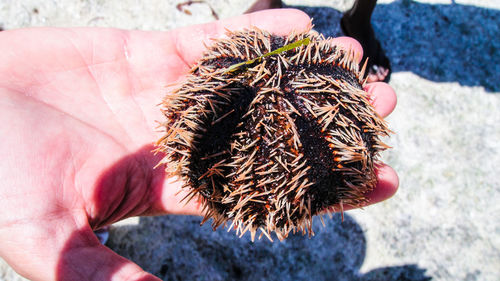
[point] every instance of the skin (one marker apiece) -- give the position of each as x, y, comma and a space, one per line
78, 109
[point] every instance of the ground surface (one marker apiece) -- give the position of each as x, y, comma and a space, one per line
443, 223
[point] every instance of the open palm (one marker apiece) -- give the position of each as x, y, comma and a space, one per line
78, 113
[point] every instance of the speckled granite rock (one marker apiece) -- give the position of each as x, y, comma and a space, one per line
443, 223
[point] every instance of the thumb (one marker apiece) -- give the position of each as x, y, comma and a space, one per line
84, 258
60, 251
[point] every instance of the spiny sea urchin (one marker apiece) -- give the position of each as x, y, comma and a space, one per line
270, 131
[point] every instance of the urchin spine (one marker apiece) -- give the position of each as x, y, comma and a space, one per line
258, 173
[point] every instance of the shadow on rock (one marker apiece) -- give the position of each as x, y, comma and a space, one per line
439, 42
177, 248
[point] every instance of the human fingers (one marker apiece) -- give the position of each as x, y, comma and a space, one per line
382, 97
189, 41
158, 59
349, 44
176, 200
387, 184
173, 193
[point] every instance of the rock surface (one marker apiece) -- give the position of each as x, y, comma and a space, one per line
442, 224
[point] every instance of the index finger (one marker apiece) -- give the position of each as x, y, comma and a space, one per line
158, 58
190, 41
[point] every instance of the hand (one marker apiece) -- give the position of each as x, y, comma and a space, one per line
78, 112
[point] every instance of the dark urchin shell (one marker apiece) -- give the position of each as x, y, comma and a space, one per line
270, 144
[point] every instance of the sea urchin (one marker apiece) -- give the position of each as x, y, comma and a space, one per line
269, 131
